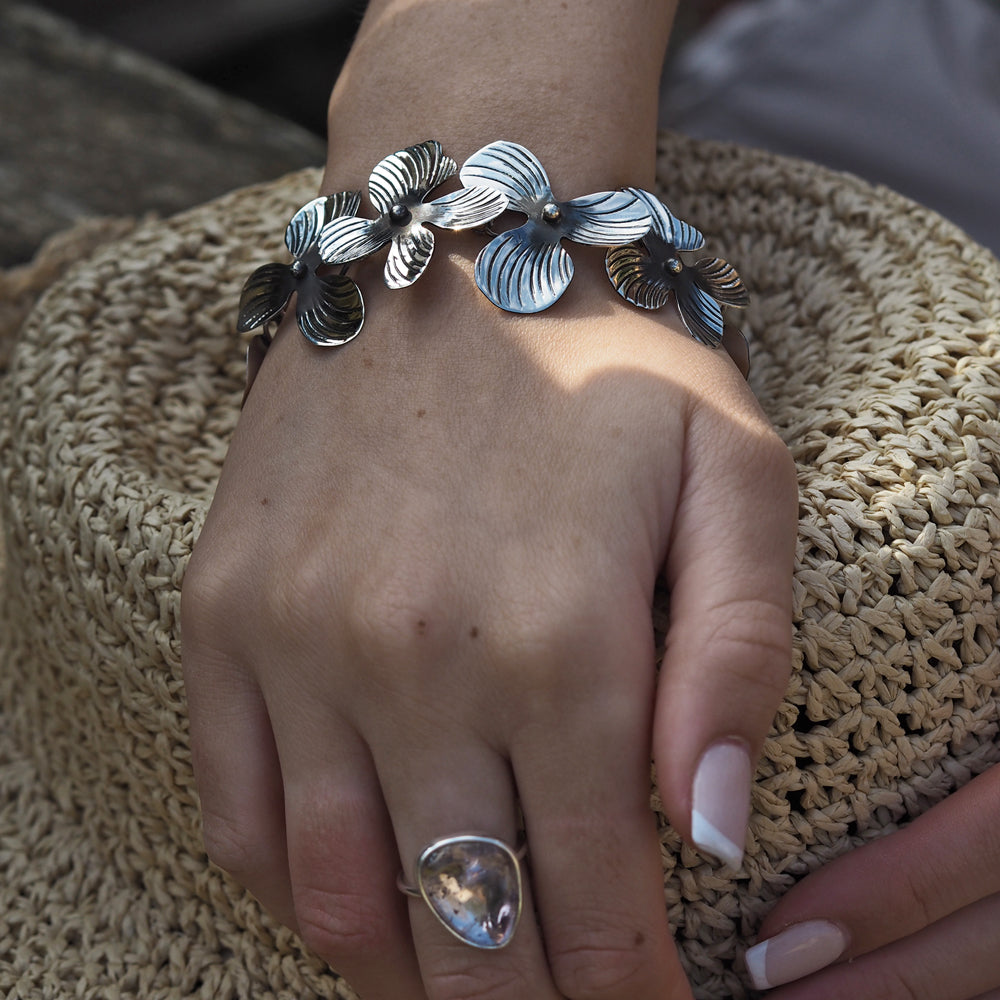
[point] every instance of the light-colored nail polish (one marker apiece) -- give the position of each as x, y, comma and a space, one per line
720, 801
796, 952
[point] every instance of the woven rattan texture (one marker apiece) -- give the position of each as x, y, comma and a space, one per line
877, 355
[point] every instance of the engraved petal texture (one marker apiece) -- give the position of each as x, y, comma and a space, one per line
265, 294
408, 256
330, 310
667, 226
522, 275
637, 277
409, 174
721, 280
342, 203
304, 229
701, 314
608, 218
468, 208
511, 169
685, 236
344, 240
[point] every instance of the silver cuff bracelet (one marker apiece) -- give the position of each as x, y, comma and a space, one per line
521, 270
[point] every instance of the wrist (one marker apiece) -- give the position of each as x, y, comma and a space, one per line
577, 85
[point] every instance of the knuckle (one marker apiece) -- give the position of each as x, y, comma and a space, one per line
343, 908
231, 847
476, 982
888, 984
400, 613
538, 624
206, 596
597, 962
919, 897
848, 980
779, 459
342, 923
557, 655
749, 634
766, 466
902, 989
771, 456
297, 598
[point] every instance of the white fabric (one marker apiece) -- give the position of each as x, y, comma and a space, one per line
901, 92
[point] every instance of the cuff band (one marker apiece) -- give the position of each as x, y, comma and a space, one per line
522, 270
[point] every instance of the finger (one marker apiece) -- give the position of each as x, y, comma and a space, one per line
940, 863
440, 790
342, 858
239, 778
956, 958
583, 773
728, 647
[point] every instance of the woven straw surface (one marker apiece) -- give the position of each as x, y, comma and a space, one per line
877, 329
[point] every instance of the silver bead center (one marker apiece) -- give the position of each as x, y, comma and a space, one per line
674, 266
298, 268
399, 215
552, 213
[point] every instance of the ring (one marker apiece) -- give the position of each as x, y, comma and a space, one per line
473, 886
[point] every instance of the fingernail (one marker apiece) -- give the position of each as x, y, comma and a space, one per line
795, 952
720, 801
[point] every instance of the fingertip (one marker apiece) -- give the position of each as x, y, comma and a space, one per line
796, 952
709, 727
720, 800
755, 960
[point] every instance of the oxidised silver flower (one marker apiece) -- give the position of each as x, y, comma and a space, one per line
329, 309
525, 270
397, 188
645, 274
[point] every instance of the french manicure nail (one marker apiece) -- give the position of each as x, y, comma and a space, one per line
795, 952
720, 801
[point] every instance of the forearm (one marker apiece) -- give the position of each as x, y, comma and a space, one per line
575, 82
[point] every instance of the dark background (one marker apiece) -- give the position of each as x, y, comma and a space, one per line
282, 55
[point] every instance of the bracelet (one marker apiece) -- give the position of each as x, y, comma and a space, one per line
522, 270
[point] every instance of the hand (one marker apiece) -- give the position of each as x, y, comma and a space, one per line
422, 599
915, 916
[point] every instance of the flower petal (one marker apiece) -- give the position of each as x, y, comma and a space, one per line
343, 240
408, 256
666, 225
468, 208
330, 310
304, 229
637, 277
722, 281
685, 236
512, 170
265, 294
409, 174
701, 314
522, 274
608, 218
342, 203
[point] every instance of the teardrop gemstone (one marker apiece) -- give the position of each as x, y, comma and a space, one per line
473, 885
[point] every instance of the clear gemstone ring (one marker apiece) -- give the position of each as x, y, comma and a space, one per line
472, 884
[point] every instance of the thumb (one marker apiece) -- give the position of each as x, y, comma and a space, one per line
728, 649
